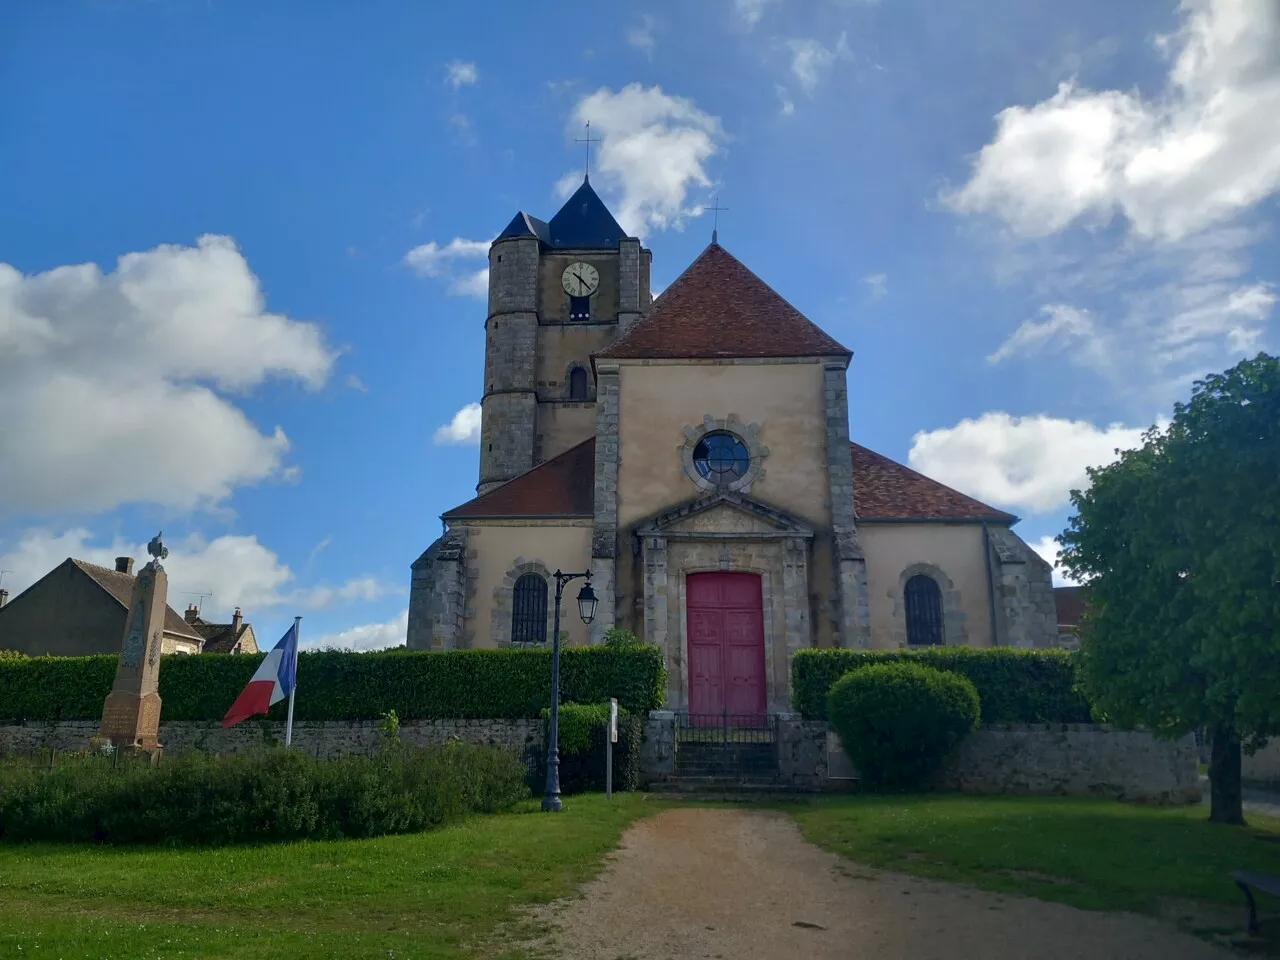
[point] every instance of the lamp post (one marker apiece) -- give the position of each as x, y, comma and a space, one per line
587, 611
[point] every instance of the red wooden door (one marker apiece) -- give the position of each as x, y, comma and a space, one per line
726, 643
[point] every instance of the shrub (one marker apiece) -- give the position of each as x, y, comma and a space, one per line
337, 685
619, 638
584, 732
898, 721
264, 795
1014, 686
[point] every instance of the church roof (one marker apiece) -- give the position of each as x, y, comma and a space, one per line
583, 223
564, 486
883, 489
719, 308
523, 225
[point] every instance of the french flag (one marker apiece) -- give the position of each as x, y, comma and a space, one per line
276, 677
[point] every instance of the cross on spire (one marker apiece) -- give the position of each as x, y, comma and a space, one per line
588, 140
715, 225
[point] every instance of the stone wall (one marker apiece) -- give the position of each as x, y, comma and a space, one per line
1074, 760
330, 738
1263, 766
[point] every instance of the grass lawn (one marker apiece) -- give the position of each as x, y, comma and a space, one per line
1096, 854
425, 895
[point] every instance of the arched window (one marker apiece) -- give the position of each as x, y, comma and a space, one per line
924, 611
529, 610
578, 384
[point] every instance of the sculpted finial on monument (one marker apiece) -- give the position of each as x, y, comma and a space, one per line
157, 549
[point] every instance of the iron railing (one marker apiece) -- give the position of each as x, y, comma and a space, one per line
725, 727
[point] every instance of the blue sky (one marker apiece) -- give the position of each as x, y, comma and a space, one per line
1035, 224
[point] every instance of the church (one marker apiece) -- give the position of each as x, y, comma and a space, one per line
693, 453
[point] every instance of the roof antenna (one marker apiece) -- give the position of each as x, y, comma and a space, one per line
588, 140
715, 227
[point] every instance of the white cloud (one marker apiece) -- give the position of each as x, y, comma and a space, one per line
1204, 149
461, 73
237, 570
788, 106
472, 285
877, 285
640, 35
1048, 548
653, 150
1031, 463
369, 636
750, 10
463, 429
433, 260
1063, 325
113, 385
810, 60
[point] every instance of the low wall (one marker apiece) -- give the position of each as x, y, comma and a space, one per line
1074, 760
330, 738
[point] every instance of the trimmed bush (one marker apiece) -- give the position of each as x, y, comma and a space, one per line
1014, 686
584, 732
334, 685
899, 721
268, 795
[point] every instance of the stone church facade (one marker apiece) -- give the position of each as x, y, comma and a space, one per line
693, 452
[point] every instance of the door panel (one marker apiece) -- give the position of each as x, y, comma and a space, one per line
726, 643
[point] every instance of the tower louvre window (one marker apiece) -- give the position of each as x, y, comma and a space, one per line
579, 308
577, 384
924, 611
529, 610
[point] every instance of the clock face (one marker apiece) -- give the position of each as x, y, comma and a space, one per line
580, 279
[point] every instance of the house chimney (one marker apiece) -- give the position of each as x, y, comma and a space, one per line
236, 620
192, 614
124, 565
4, 597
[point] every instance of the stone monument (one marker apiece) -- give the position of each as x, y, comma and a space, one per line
131, 713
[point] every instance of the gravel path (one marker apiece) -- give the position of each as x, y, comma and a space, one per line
744, 885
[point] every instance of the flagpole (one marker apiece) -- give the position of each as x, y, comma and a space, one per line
288, 723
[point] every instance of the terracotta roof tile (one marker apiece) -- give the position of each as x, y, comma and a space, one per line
884, 489
120, 586
561, 487
719, 308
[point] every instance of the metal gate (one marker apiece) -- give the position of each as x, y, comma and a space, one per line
737, 745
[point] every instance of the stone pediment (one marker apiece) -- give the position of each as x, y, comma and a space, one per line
724, 515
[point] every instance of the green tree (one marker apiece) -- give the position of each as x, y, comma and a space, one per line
1179, 545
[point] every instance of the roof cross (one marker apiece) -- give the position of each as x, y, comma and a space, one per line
715, 225
588, 140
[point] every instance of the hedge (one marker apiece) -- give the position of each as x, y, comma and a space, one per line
584, 731
334, 685
1015, 686
253, 797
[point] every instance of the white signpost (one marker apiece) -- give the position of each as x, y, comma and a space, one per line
608, 747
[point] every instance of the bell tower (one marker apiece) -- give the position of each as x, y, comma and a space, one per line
559, 292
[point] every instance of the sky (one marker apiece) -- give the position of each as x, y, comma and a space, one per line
242, 247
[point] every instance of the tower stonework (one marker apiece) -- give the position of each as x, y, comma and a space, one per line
509, 408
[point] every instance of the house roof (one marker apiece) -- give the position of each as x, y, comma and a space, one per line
1070, 602
120, 586
883, 490
564, 486
583, 223
221, 637
719, 308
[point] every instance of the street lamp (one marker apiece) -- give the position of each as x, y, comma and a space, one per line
587, 611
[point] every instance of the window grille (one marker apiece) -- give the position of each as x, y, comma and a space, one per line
529, 610
721, 457
924, 611
577, 384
